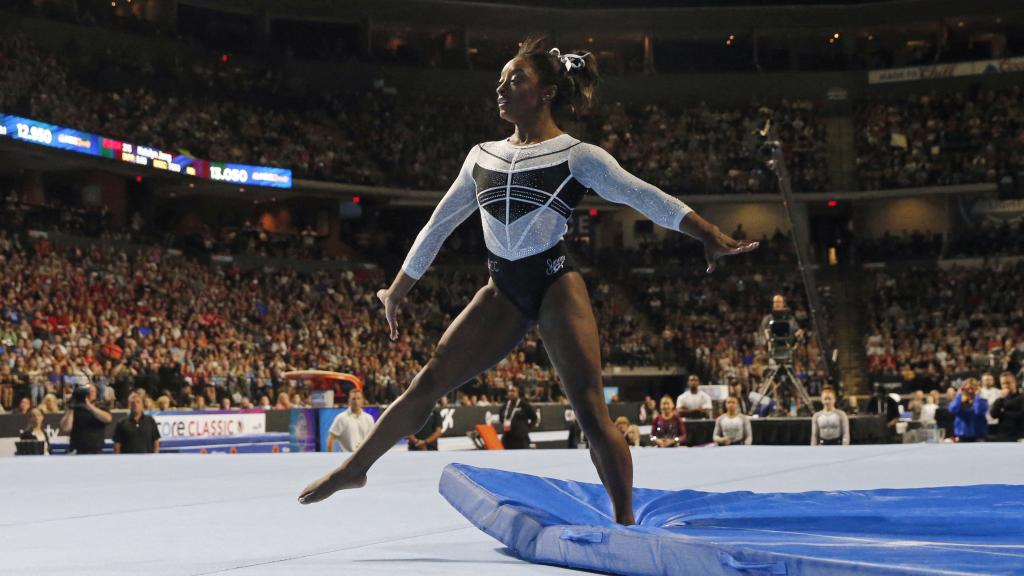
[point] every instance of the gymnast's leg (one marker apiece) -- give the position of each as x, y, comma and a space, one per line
483, 334
569, 333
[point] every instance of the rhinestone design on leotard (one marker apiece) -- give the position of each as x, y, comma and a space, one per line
526, 194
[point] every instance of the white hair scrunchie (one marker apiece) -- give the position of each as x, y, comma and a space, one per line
571, 61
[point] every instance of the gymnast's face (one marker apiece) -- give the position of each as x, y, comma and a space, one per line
828, 400
520, 95
732, 406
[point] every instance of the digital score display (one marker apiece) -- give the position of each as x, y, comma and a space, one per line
53, 136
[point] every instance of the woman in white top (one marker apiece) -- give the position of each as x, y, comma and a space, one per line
829, 426
733, 427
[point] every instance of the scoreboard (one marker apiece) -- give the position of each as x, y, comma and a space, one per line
53, 136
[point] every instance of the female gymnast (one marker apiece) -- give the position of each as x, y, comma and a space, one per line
525, 188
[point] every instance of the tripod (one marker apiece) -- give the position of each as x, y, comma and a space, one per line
781, 369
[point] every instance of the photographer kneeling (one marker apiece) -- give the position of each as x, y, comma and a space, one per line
85, 421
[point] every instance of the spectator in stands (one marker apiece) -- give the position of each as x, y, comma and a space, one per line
929, 408
86, 422
829, 426
35, 430
517, 417
1009, 409
990, 393
138, 433
736, 391
49, 405
265, 403
915, 405
733, 427
427, 436
634, 437
969, 410
199, 402
163, 403
694, 402
350, 427
284, 402
649, 410
622, 425
24, 407
668, 430
883, 405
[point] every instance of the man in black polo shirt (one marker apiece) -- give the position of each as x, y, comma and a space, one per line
136, 434
426, 438
86, 423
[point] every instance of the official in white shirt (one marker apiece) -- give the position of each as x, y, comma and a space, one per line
352, 426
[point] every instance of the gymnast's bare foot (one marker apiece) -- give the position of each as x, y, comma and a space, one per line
340, 479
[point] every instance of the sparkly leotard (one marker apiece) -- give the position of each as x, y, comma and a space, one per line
526, 195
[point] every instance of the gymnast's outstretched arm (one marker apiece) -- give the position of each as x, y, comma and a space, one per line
453, 209
596, 169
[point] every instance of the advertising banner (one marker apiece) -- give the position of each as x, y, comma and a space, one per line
943, 71
180, 424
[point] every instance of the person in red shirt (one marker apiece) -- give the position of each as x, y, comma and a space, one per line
668, 430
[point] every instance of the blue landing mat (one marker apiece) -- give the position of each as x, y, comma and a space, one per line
950, 530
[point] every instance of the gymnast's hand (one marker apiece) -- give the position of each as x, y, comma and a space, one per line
391, 304
718, 244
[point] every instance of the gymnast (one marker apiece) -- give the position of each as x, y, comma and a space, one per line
525, 189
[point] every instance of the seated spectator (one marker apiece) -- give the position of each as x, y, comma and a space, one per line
969, 411
917, 401
694, 402
24, 407
49, 405
733, 427
829, 426
634, 438
990, 392
649, 410
668, 430
622, 425
163, 403
928, 409
284, 402
35, 430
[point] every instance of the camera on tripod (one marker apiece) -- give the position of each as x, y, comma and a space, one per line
780, 337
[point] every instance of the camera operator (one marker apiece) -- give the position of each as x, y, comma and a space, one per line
779, 328
84, 420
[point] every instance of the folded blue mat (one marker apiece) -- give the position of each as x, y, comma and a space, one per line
957, 529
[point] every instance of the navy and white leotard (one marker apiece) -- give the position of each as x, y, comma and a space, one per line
526, 195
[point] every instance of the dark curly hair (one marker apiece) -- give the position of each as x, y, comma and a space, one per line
576, 86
